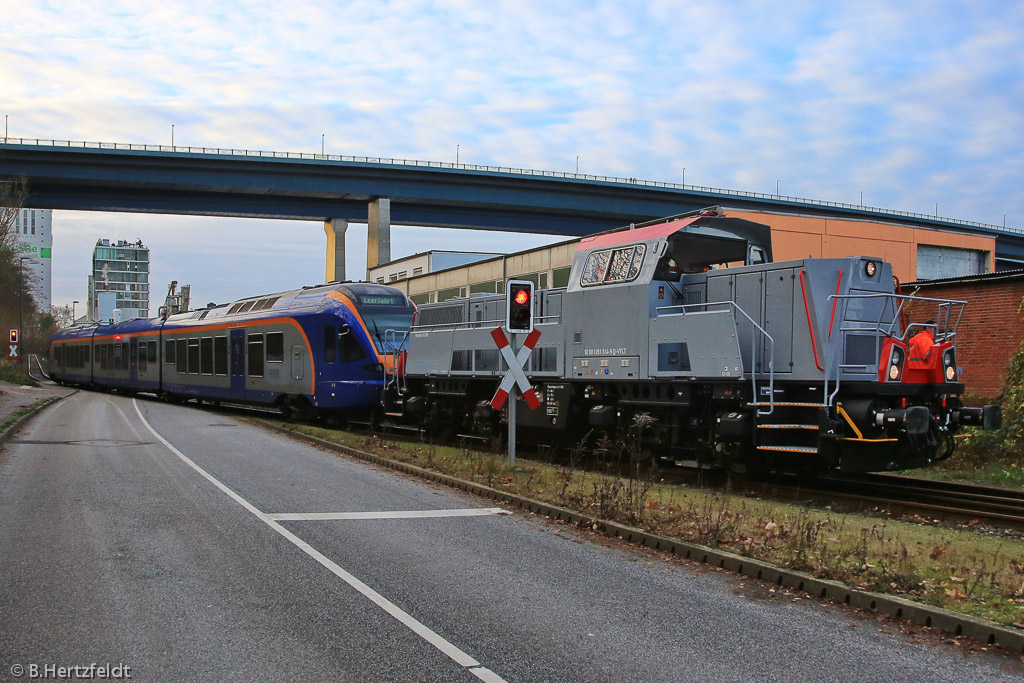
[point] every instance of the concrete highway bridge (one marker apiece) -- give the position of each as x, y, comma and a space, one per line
378, 191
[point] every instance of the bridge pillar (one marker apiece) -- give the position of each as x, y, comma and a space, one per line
378, 233
335, 229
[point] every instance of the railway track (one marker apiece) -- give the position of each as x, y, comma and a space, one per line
928, 499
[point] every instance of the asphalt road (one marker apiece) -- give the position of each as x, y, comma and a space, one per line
189, 545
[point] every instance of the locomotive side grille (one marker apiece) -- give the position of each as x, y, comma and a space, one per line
441, 315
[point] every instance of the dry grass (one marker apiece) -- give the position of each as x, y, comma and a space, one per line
959, 570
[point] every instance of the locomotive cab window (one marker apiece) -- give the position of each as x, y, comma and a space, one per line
330, 344
349, 347
610, 266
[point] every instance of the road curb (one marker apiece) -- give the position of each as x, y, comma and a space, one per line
34, 408
953, 623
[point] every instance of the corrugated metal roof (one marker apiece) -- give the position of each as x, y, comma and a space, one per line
984, 278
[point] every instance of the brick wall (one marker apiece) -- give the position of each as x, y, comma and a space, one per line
991, 329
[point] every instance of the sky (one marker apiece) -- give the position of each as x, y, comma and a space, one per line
913, 104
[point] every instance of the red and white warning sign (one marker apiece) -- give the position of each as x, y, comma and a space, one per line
515, 374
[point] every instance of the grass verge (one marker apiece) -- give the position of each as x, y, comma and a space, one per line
7, 422
16, 376
958, 570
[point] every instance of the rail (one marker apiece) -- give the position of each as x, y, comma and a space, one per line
753, 352
341, 158
944, 329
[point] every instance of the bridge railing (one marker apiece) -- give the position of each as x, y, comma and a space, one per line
222, 151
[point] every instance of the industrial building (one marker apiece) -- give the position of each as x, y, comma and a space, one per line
119, 280
34, 230
916, 253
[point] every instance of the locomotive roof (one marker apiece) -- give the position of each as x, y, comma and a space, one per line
705, 225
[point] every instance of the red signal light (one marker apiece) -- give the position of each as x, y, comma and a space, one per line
117, 337
14, 336
522, 296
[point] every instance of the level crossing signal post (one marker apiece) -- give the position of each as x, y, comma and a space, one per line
519, 319
12, 354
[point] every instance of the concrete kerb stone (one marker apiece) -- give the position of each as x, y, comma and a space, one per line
33, 409
948, 621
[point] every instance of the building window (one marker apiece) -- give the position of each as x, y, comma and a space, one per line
393, 278
380, 280
417, 271
560, 276
402, 274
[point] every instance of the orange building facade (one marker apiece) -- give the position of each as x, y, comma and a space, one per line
796, 237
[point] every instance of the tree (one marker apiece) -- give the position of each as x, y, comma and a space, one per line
18, 308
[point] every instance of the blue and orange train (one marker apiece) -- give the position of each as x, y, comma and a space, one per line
333, 347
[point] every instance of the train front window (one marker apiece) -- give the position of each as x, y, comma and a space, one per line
380, 319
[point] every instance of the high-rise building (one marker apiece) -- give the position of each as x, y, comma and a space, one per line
120, 279
34, 229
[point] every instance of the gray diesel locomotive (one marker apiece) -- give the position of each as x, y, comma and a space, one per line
802, 366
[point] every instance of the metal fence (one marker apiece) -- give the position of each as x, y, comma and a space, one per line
263, 154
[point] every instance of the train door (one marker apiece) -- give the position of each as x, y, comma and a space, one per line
237, 354
298, 361
133, 360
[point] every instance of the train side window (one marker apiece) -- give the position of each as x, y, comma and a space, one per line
151, 351
349, 346
275, 347
182, 352
330, 344
169, 351
85, 356
117, 356
142, 357
255, 355
193, 356
206, 355
220, 355
125, 353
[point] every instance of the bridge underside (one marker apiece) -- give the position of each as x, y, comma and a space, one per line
116, 178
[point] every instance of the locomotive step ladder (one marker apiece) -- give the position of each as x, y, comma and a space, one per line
793, 427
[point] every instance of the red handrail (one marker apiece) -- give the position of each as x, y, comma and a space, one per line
807, 308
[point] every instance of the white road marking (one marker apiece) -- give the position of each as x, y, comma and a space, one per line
384, 514
455, 654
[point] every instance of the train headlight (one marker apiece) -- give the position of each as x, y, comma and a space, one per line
896, 357
870, 268
949, 365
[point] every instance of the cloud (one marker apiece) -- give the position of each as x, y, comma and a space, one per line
910, 103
